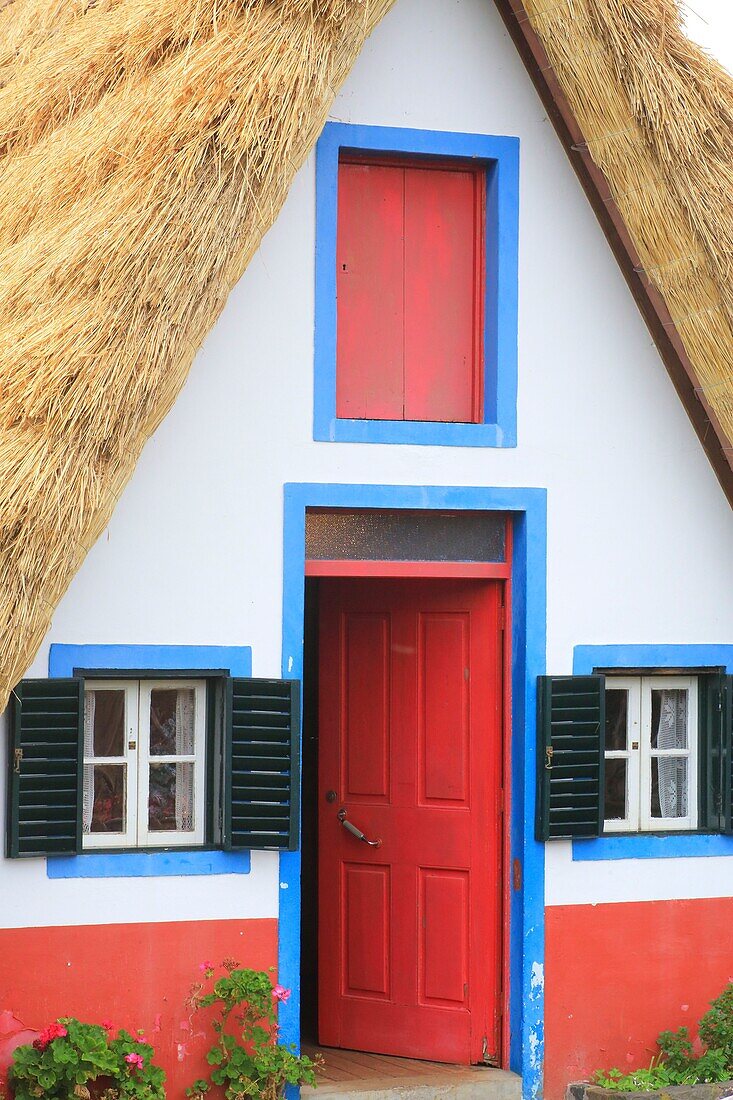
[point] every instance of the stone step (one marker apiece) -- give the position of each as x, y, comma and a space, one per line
451, 1083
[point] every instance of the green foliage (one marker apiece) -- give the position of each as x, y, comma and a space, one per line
250, 1063
716, 1026
75, 1061
676, 1063
676, 1050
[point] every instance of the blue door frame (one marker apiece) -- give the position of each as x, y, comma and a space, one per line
529, 602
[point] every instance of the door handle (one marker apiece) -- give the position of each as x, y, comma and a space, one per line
357, 832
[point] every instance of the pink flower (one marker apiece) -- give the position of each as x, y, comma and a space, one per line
206, 967
280, 993
135, 1060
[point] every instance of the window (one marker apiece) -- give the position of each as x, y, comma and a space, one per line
650, 753
634, 753
410, 265
416, 287
144, 763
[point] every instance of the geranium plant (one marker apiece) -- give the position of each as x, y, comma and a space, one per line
86, 1062
247, 1059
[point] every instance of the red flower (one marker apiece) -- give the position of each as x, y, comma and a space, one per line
53, 1031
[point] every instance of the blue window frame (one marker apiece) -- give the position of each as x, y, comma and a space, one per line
63, 660
501, 157
588, 658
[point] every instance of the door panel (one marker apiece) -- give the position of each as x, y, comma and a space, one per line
365, 691
367, 905
443, 715
410, 722
443, 903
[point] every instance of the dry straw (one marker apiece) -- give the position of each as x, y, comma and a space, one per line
657, 115
147, 145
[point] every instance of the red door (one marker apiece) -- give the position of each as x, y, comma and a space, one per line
410, 720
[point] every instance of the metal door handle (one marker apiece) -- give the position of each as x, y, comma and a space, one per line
357, 832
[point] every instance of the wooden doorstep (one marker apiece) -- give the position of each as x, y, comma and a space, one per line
382, 1070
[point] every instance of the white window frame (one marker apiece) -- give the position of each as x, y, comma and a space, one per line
632, 686
127, 838
669, 683
147, 838
639, 761
138, 758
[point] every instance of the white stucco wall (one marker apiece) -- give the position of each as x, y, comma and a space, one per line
640, 535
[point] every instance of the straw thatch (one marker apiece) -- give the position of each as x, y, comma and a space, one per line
146, 146
657, 115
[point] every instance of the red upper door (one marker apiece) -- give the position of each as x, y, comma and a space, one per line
410, 720
410, 286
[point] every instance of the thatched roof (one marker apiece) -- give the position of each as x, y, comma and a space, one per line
647, 119
147, 145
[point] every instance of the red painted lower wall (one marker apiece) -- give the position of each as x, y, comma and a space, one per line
130, 974
616, 975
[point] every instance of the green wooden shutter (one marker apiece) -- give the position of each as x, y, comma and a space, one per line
570, 745
46, 768
714, 751
716, 757
262, 764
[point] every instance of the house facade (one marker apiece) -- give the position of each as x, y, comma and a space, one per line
429, 488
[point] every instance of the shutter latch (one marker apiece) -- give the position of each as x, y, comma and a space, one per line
548, 757
17, 757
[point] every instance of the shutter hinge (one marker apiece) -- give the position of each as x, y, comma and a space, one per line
548, 757
502, 617
17, 757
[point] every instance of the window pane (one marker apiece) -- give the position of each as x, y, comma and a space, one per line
105, 798
669, 719
171, 799
339, 534
617, 703
615, 793
669, 787
171, 721
104, 723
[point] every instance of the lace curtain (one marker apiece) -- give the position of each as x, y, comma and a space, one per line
185, 712
672, 734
